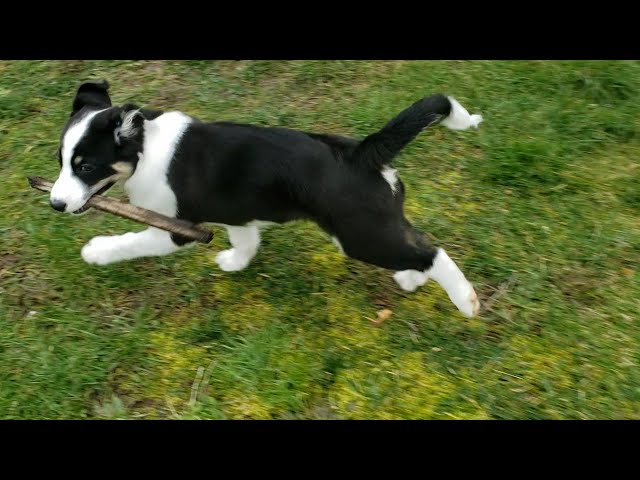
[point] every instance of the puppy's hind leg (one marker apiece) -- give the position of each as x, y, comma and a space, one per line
436, 264
450, 277
415, 259
410, 280
444, 271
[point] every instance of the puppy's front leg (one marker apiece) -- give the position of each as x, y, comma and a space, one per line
148, 243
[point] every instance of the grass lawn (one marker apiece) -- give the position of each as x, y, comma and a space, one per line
540, 207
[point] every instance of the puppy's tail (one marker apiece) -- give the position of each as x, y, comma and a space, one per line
380, 148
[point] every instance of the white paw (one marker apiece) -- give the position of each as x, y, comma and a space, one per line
230, 261
460, 291
464, 297
410, 280
99, 251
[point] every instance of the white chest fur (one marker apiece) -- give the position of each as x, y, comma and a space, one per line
149, 187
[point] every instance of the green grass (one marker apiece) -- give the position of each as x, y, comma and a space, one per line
542, 202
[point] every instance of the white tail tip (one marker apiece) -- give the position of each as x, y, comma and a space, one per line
459, 118
475, 120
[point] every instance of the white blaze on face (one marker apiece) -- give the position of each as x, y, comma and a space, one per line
68, 188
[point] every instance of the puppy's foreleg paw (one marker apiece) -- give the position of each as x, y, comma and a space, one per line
99, 251
231, 261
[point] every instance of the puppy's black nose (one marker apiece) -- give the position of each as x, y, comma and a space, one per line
58, 205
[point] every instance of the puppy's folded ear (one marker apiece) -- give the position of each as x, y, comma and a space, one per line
92, 94
128, 123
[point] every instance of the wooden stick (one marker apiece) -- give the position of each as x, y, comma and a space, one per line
184, 228
502, 289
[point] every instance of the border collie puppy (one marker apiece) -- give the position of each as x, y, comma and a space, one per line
245, 177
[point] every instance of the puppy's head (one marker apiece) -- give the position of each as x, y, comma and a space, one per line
99, 146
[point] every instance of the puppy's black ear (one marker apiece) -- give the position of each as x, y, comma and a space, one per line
92, 94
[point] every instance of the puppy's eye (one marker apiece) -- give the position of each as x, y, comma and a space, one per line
85, 167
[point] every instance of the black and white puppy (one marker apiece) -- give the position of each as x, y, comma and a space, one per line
246, 177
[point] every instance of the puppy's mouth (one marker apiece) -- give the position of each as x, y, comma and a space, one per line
86, 207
